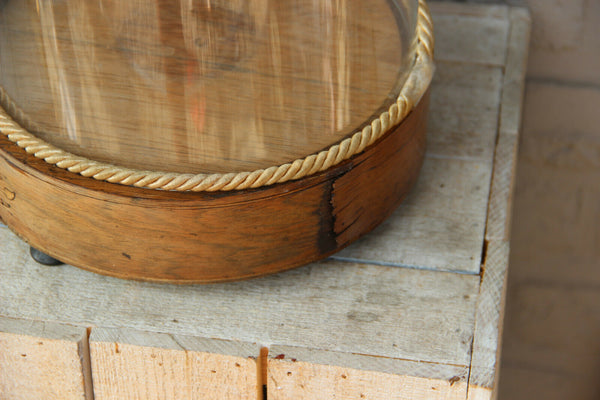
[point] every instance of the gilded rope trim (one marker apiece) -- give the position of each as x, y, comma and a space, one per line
415, 86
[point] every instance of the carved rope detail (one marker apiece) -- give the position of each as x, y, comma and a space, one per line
415, 86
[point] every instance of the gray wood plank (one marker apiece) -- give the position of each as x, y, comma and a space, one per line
464, 111
479, 33
386, 311
440, 225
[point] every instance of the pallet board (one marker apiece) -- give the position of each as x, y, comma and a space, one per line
43, 360
412, 311
135, 364
299, 373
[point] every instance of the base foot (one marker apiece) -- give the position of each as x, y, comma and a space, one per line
43, 258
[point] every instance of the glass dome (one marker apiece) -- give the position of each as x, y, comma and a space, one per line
200, 86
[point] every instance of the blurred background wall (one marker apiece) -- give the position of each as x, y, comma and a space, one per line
552, 324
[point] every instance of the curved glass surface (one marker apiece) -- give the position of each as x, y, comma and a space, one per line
202, 85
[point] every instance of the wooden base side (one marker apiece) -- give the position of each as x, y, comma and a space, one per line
163, 236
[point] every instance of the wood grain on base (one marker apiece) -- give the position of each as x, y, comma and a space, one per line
43, 360
166, 236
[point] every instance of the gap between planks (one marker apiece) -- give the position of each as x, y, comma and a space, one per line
107, 351
400, 265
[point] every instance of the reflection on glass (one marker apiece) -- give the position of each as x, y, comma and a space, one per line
202, 85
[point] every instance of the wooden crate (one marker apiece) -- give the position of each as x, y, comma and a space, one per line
412, 311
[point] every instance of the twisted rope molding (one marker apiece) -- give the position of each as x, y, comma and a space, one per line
415, 86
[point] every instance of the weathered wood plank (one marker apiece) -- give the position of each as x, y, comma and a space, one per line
423, 232
418, 315
463, 118
299, 373
491, 301
43, 360
129, 364
478, 33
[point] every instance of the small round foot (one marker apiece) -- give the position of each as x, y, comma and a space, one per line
43, 258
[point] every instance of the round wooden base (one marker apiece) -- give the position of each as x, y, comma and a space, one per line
164, 236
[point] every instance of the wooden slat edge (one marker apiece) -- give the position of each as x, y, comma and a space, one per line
503, 181
174, 342
499, 210
169, 366
40, 359
300, 373
487, 340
